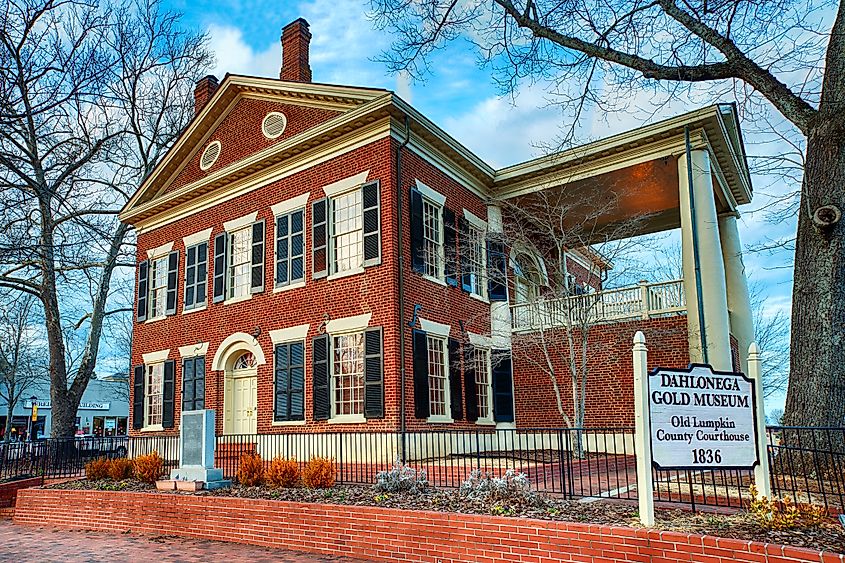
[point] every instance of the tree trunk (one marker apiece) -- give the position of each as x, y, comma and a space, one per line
816, 393
7, 434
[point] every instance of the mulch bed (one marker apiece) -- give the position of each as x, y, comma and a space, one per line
827, 537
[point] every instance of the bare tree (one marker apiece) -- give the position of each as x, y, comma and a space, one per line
23, 365
91, 97
785, 55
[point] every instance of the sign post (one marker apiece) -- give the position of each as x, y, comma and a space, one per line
642, 439
761, 472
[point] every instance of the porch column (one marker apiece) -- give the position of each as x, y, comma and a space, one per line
699, 224
739, 301
500, 312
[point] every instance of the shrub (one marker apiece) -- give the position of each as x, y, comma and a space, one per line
97, 469
120, 468
513, 488
251, 470
318, 473
783, 513
401, 477
283, 472
149, 468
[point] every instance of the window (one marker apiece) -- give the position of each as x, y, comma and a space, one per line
348, 374
196, 275
432, 239
473, 250
438, 375
347, 232
158, 287
289, 382
245, 361
483, 389
154, 395
193, 383
290, 248
240, 263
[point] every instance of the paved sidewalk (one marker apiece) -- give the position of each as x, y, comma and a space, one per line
24, 543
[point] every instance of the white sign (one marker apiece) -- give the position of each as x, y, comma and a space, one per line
702, 419
110, 424
83, 406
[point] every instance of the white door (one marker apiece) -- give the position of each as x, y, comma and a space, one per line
244, 402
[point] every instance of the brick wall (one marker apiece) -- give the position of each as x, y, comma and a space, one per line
382, 534
610, 379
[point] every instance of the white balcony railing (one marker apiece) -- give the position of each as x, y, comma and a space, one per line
643, 301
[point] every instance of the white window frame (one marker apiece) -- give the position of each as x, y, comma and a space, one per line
479, 288
446, 417
300, 282
439, 274
159, 262
488, 419
148, 373
190, 241
333, 272
230, 265
336, 418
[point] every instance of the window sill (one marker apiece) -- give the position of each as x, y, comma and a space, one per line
485, 422
348, 419
479, 298
155, 319
194, 309
435, 280
238, 299
288, 423
288, 287
439, 420
345, 274
153, 428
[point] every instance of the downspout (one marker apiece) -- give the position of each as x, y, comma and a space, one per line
695, 252
401, 288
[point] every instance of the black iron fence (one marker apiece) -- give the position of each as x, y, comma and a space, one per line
807, 464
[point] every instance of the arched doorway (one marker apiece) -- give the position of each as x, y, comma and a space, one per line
241, 394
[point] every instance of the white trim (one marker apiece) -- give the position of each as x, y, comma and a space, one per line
197, 238
475, 220
291, 204
289, 334
478, 297
153, 428
159, 251
288, 423
193, 350
435, 328
240, 222
238, 299
435, 280
155, 357
441, 419
345, 273
346, 184
479, 340
347, 418
264, 125
430, 193
230, 344
205, 151
294, 285
194, 309
348, 324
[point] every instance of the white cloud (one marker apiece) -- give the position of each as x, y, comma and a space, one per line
235, 56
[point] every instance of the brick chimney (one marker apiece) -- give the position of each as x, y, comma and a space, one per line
203, 91
295, 41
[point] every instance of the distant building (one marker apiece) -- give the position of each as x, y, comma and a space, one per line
103, 411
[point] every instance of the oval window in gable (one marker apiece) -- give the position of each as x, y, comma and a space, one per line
210, 155
274, 124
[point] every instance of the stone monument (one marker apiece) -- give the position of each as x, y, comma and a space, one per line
196, 450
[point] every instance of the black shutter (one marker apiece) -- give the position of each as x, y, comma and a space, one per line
421, 404
220, 246
257, 270
172, 281
190, 277
202, 274
373, 373
281, 408
297, 246
188, 387
451, 247
466, 265
372, 223
320, 375
138, 397
417, 258
319, 239
168, 394
470, 388
296, 369
502, 386
282, 275
143, 290
199, 383
497, 288
456, 399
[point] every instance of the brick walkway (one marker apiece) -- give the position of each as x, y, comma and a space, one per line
23, 543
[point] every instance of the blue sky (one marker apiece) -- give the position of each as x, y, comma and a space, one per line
462, 99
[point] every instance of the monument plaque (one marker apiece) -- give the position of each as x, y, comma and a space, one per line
702, 419
196, 450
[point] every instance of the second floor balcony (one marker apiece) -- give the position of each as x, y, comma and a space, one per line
642, 301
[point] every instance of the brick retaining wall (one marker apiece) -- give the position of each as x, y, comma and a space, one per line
383, 534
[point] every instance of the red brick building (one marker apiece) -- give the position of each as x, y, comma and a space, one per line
324, 258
